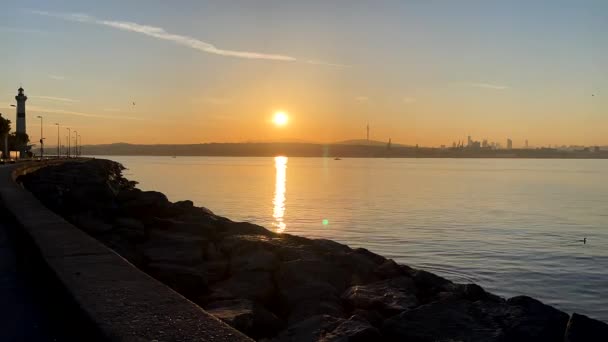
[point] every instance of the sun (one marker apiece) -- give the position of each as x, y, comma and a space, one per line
280, 118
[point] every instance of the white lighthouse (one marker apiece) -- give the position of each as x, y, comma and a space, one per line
21, 98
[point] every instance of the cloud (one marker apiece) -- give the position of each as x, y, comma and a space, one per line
56, 77
86, 115
488, 86
160, 33
409, 100
362, 98
54, 98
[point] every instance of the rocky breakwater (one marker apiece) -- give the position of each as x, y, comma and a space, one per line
280, 287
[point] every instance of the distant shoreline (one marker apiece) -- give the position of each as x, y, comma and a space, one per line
331, 151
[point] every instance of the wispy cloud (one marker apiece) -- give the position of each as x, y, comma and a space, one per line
86, 115
56, 77
409, 100
160, 33
488, 86
54, 98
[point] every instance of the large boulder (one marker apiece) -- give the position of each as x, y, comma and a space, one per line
387, 296
246, 316
441, 321
256, 286
309, 330
173, 248
188, 280
91, 224
518, 319
527, 319
353, 330
253, 260
581, 328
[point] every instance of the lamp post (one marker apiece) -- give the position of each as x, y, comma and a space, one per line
76, 143
58, 142
69, 137
41, 139
79, 145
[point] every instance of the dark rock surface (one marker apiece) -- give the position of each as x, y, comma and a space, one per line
280, 287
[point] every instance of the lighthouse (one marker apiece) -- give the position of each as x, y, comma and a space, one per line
21, 98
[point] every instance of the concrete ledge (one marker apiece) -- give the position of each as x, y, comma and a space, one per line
123, 302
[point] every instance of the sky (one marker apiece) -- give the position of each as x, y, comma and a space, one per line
420, 72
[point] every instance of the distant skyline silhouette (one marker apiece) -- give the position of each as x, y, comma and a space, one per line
419, 72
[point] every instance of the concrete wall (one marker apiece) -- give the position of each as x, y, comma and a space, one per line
123, 302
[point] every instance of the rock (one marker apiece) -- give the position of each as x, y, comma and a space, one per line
313, 307
144, 203
256, 260
440, 321
91, 225
130, 228
311, 329
518, 319
257, 286
243, 228
388, 296
530, 320
352, 331
429, 285
184, 279
389, 269
166, 247
247, 317
582, 328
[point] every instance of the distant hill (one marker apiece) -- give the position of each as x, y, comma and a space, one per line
364, 142
346, 149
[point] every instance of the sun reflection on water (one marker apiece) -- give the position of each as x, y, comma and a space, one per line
280, 164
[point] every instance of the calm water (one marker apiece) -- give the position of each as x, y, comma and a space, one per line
511, 226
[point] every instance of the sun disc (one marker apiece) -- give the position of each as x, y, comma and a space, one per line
280, 118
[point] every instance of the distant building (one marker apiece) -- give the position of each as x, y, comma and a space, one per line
526, 143
509, 144
596, 148
484, 144
469, 141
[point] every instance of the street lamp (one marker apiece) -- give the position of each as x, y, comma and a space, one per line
75, 143
79, 144
69, 137
41, 139
58, 142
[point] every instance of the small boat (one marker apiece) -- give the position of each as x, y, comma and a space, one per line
337, 158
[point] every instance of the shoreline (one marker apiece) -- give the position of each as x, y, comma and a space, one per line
278, 286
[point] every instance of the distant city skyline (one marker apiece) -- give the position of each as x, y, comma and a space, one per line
416, 72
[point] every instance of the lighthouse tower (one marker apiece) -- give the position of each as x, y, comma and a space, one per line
21, 98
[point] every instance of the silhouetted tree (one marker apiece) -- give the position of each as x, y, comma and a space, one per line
5, 128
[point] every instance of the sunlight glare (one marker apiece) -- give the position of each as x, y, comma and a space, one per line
278, 202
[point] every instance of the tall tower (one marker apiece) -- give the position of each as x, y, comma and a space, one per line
368, 132
21, 98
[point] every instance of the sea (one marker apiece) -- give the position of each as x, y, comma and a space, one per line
513, 226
